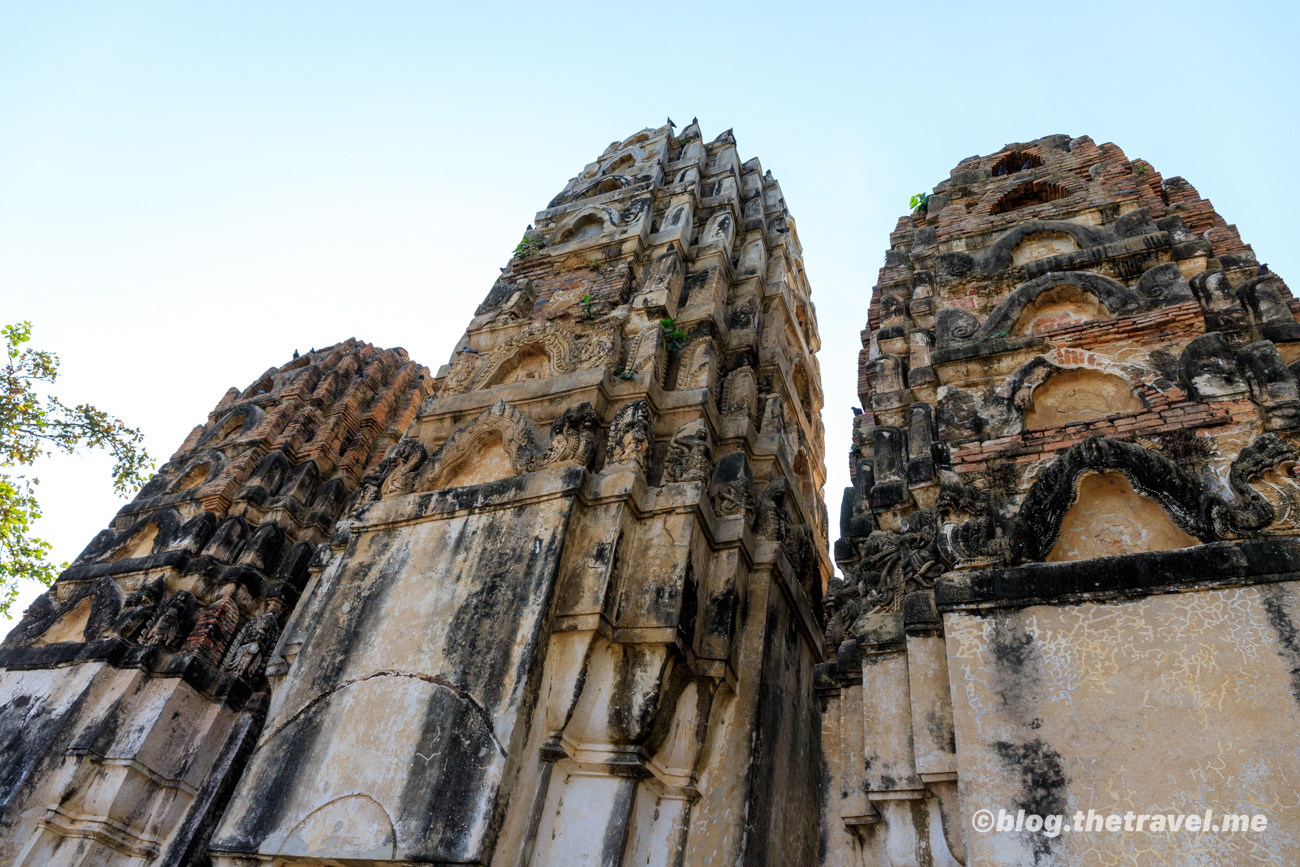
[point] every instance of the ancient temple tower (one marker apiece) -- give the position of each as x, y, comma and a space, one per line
558, 605
132, 692
571, 620
1069, 555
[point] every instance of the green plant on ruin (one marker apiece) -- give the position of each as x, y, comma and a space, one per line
1141, 170
528, 246
31, 427
673, 336
920, 203
587, 311
597, 266
994, 336
624, 373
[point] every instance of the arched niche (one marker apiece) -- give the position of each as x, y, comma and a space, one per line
497, 444
139, 545
265, 385
1080, 394
1015, 161
234, 424
71, 625
194, 474
229, 428
355, 825
1117, 298
542, 349
1040, 245
1109, 518
803, 475
720, 230
1028, 194
621, 165
194, 477
530, 362
998, 254
487, 462
1059, 307
586, 227
803, 390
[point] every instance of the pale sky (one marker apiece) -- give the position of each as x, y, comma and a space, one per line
189, 192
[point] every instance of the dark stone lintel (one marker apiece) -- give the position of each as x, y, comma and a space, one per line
1218, 564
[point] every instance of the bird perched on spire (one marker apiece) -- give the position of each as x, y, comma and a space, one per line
295, 354
1261, 270
671, 124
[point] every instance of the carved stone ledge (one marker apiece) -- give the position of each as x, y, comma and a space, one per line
1219, 564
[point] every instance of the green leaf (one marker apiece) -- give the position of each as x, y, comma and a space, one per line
30, 428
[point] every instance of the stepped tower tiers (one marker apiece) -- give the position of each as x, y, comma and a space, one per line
1069, 554
560, 606
574, 618
133, 690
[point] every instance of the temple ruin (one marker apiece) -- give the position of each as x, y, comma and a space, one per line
570, 600
557, 605
1067, 552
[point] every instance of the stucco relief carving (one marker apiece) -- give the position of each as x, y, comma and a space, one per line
499, 434
689, 457
171, 627
740, 394
404, 461
559, 350
573, 437
138, 610
630, 435
462, 373
251, 648
599, 347
697, 366
499, 425
646, 351
1265, 500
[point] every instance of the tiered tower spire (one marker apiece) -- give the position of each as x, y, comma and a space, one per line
1078, 426
585, 584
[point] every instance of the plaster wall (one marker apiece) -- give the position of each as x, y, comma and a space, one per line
1174, 703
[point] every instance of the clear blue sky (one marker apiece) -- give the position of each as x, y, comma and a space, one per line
189, 192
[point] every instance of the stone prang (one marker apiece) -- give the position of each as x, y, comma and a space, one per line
1073, 488
133, 691
570, 601
558, 604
